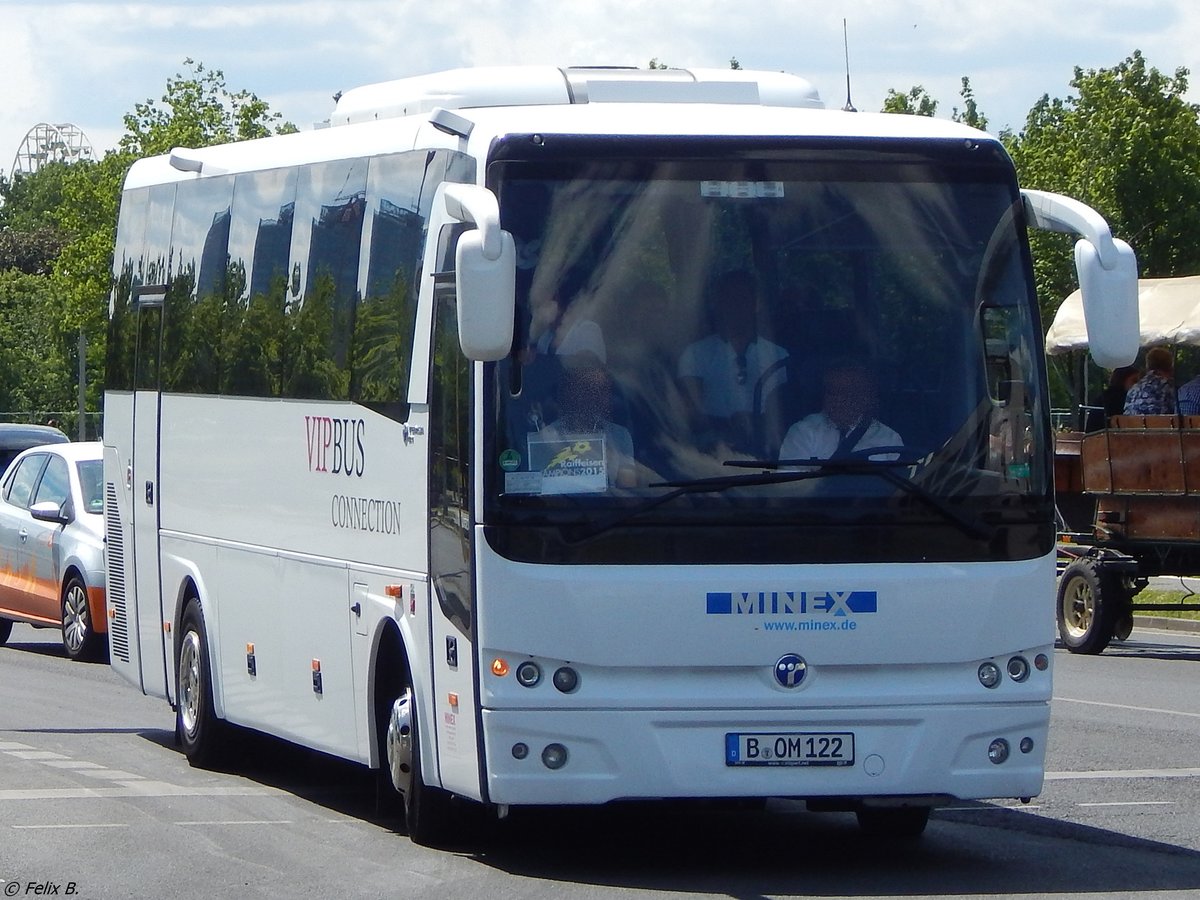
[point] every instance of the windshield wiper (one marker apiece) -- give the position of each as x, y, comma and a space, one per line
784, 471
973, 526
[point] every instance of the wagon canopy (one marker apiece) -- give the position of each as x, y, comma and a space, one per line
1169, 313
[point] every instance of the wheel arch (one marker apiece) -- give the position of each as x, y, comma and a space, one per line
389, 663
395, 647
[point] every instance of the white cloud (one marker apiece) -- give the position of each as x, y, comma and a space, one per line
90, 62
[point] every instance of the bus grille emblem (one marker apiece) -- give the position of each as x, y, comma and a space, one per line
790, 670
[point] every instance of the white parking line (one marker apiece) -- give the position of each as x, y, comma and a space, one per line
1122, 773
238, 821
1122, 706
80, 825
132, 789
37, 755
110, 774
1131, 803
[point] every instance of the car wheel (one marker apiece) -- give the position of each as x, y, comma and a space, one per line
196, 722
79, 637
1088, 597
5, 630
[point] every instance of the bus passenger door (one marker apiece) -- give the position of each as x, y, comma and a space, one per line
452, 576
145, 612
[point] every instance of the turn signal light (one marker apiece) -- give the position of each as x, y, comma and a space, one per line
499, 667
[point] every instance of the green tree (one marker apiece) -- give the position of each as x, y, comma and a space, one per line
970, 114
916, 102
62, 220
36, 355
1128, 144
198, 110
28, 200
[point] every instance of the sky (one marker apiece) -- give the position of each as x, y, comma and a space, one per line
87, 63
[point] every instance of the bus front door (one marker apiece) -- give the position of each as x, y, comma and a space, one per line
145, 612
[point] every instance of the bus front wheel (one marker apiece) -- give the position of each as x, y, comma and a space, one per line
427, 812
893, 821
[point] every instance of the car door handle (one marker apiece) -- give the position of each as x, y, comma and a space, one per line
24, 535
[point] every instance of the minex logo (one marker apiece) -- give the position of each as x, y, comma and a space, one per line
792, 603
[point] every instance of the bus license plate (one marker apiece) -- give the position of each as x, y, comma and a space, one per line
822, 748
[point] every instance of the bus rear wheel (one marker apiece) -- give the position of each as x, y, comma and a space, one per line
427, 809
1088, 601
196, 724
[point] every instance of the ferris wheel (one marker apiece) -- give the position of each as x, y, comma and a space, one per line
51, 143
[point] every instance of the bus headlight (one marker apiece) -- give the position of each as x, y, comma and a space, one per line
566, 679
998, 751
989, 674
1018, 668
554, 756
529, 674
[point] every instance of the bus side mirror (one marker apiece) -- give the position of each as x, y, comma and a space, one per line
1107, 271
1110, 303
485, 263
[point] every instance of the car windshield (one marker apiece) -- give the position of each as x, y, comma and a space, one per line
91, 484
682, 319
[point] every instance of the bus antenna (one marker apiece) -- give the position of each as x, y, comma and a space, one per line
849, 107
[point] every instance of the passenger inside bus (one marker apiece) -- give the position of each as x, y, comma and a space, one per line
731, 375
583, 450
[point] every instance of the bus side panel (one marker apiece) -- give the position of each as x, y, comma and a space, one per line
252, 641
282, 510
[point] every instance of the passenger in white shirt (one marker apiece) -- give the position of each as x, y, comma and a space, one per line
730, 375
846, 424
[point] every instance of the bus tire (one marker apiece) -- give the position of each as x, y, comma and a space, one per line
78, 633
892, 821
427, 811
5, 630
1088, 601
196, 724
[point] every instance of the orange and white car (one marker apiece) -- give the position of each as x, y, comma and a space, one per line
52, 544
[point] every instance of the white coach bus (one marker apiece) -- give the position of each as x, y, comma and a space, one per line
487, 438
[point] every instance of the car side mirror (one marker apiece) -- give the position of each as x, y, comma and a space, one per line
49, 511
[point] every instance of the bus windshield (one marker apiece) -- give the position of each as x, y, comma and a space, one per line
840, 338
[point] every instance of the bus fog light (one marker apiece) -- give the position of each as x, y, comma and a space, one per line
1018, 668
1026, 745
528, 674
554, 756
989, 674
998, 751
566, 679
520, 750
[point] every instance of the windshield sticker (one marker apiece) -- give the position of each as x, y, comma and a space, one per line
510, 460
570, 466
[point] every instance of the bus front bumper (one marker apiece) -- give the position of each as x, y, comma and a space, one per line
947, 750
